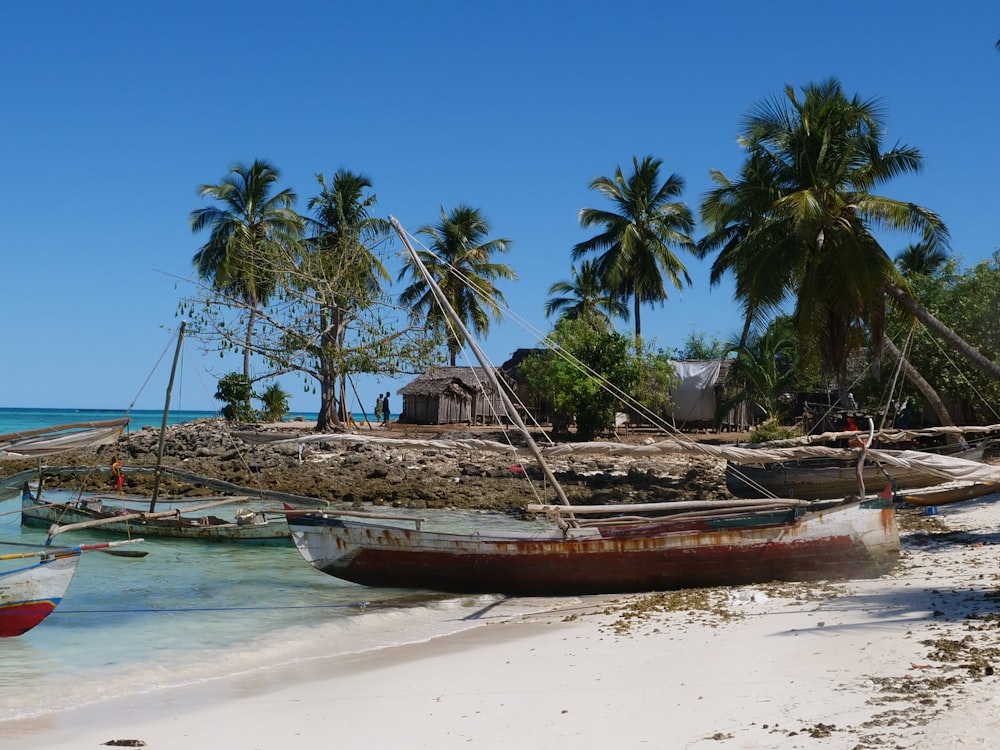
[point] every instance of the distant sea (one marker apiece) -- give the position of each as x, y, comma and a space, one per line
18, 419
191, 611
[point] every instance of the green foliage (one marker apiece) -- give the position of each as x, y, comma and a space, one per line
772, 429
763, 369
235, 391
966, 301
460, 260
275, 403
697, 346
636, 240
799, 221
581, 395
657, 380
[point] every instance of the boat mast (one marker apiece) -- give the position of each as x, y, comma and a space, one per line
484, 361
166, 412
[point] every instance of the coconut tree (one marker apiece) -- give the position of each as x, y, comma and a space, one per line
920, 258
460, 260
635, 246
584, 295
347, 274
799, 221
251, 225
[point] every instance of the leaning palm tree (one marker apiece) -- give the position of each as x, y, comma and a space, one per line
250, 227
348, 275
584, 295
459, 259
799, 221
635, 246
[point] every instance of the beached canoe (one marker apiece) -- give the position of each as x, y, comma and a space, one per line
829, 540
819, 479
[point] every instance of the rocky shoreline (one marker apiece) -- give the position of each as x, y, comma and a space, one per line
382, 474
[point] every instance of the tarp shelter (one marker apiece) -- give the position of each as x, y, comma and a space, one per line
694, 397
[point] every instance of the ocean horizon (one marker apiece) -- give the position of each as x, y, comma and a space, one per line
19, 419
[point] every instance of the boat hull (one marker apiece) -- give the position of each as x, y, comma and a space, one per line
852, 540
812, 481
30, 594
43, 515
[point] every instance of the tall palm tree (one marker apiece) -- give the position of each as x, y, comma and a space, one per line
349, 273
459, 259
250, 227
635, 244
584, 295
799, 221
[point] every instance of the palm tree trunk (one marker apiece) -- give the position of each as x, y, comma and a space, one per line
248, 342
951, 338
924, 387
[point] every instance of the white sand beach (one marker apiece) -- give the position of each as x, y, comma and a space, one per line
905, 661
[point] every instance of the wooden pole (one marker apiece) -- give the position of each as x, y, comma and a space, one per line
484, 361
166, 412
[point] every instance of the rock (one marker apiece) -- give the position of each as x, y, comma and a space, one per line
358, 474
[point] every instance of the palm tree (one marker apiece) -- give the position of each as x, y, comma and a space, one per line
920, 258
246, 232
350, 275
799, 221
584, 296
637, 237
460, 261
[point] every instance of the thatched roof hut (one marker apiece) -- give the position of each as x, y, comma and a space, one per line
446, 395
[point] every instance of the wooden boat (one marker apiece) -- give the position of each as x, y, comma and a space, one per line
251, 524
837, 540
697, 544
818, 479
30, 594
948, 495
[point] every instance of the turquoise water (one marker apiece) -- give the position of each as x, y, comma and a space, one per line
190, 611
16, 420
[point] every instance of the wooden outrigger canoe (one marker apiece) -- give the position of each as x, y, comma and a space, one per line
949, 495
818, 479
726, 547
31, 593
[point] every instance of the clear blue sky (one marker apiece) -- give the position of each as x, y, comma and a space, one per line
115, 112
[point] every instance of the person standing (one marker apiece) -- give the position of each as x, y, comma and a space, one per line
385, 409
378, 408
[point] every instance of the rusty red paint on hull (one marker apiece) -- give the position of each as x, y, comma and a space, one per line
644, 557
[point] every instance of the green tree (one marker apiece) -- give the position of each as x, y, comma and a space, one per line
957, 298
585, 295
920, 259
346, 277
250, 228
799, 221
697, 346
763, 369
584, 359
275, 403
235, 391
635, 246
460, 260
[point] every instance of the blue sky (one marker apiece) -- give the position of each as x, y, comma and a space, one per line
115, 112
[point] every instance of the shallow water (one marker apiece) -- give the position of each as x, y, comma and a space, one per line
191, 611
